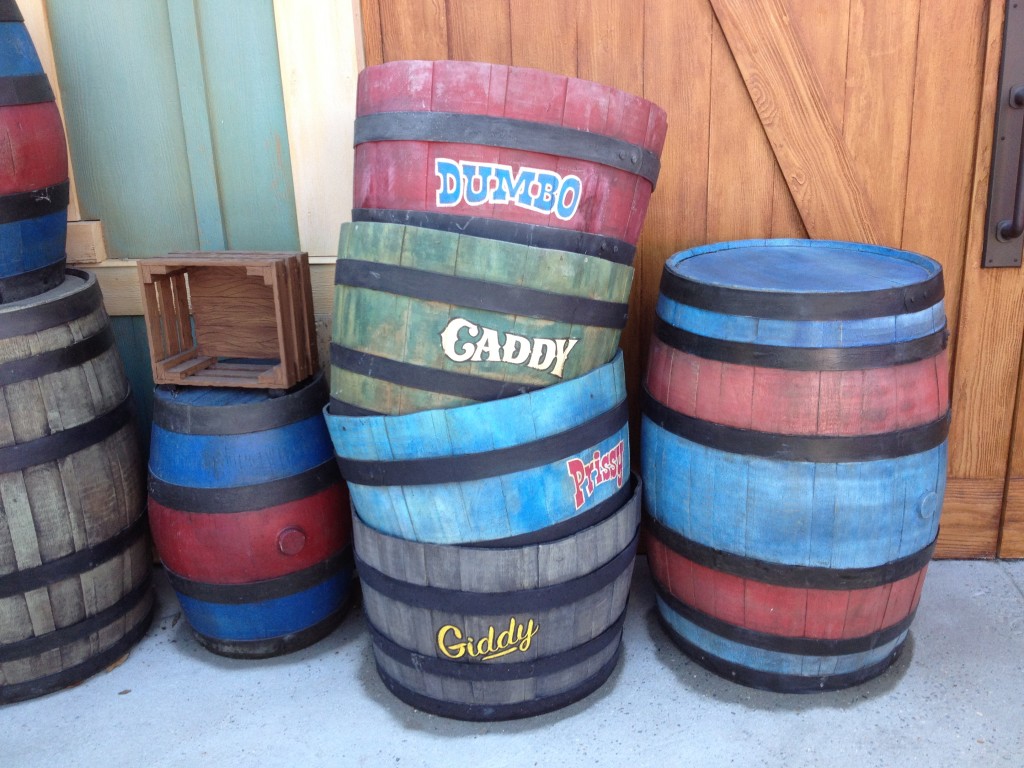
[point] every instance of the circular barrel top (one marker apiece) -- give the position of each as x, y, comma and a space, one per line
803, 279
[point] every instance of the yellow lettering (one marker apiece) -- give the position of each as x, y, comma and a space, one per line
454, 650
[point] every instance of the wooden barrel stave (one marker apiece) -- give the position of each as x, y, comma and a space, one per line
33, 172
409, 330
247, 510
427, 603
71, 507
795, 456
501, 500
398, 176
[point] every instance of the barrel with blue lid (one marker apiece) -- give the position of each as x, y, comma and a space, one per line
250, 515
34, 183
794, 452
494, 470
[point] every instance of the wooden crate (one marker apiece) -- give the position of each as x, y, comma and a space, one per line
229, 319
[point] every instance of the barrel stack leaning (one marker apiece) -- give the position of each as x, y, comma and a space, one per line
33, 168
249, 513
478, 407
794, 456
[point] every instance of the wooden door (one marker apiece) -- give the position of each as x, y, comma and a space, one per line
861, 120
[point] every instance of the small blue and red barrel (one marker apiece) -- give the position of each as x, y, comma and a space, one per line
250, 516
34, 184
794, 456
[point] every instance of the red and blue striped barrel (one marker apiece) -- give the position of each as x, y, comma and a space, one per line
33, 168
794, 455
492, 471
250, 516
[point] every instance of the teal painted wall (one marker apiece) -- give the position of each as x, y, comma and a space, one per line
175, 120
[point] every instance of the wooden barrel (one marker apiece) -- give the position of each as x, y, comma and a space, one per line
250, 516
493, 470
75, 563
485, 633
506, 153
794, 455
33, 168
426, 319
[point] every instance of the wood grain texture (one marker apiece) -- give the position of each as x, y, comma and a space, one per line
969, 526
413, 30
479, 31
318, 46
545, 35
1011, 545
818, 168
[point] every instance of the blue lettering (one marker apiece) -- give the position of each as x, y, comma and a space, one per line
450, 191
568, 198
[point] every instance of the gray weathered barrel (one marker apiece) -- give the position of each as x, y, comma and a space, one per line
503, 631
75, 562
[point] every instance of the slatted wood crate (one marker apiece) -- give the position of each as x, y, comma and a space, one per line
229, 319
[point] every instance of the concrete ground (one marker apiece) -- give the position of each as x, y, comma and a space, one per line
954, 698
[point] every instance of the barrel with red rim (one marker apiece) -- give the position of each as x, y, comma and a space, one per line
250, 516
794, 451
508, 153
34, 183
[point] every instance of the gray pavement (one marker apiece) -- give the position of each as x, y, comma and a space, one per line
954, 698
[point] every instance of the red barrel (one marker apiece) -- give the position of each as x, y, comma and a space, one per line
33, 168
506, 153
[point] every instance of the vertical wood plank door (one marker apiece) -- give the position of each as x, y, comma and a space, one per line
795, 118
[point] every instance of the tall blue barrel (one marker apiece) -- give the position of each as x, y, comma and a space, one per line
249, 515
794, 455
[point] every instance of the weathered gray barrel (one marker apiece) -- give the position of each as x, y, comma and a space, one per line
498, 632
75, 562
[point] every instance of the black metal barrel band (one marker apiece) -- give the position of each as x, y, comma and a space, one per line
340, 407
777, 681
484, 464
32, 646
245, 498
9, 11
782, 305
491, 712
25, 285
806, 646
35, 203
22, 321
454, 669
478, 388
16, 90
803, 358
267, 589
472, 293
508, 133
811, 448
304, 401
784, 575
58, 445
536, 235
76, 563
59, 359
491, 603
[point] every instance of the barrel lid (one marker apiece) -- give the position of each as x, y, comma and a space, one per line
234, 410
78, 295
803, 279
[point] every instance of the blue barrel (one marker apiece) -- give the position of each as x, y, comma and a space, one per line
249, 516
34, 184
495, 470
794, 444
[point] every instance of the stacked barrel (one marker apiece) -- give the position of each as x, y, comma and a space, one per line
478, 406
75, 590
33, 168
794, 455
249, 513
